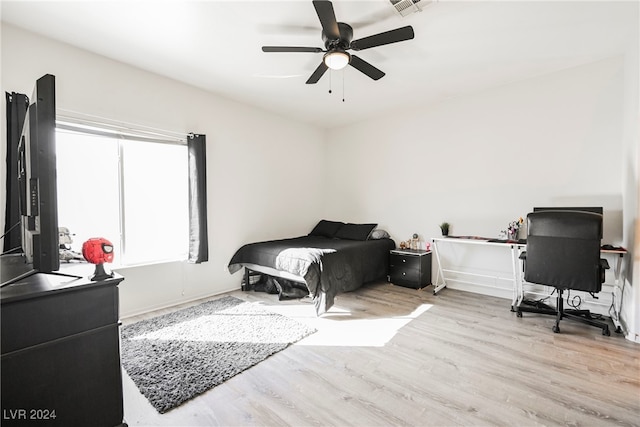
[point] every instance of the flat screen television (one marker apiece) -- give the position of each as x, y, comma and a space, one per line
37, 185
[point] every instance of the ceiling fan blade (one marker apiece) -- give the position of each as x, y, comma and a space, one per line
327, 18
319, 72
291, 49
281, 29
368, 69
388, 37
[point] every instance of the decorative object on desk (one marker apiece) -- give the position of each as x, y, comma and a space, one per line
177, 356
403, 245
511, 232
98, 250
444, 227
414, 241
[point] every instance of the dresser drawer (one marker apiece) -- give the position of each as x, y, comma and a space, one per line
33, 321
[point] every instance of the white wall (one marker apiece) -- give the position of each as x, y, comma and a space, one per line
252, 155
483, 160
631, 180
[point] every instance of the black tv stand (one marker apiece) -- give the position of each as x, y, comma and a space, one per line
60, 352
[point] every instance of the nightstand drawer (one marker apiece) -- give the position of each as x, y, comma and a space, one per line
404, 261
403, 276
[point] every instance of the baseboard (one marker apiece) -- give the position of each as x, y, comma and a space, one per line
633, 337
175, 303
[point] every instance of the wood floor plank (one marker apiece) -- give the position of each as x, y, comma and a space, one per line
387, 355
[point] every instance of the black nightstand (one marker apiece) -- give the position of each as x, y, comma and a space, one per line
410, 268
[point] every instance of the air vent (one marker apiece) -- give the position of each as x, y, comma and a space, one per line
407, 7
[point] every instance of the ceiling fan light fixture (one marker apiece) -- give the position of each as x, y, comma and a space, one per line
336, 59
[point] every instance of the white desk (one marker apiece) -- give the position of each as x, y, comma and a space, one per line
512, 251
444, 273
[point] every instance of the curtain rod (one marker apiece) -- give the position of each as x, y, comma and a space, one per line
118, 135
81, 122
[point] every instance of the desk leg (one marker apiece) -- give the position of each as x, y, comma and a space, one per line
437, 286
616, 270
516, 277
617, 301
519, 280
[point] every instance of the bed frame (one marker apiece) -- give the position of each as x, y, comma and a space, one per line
255, 269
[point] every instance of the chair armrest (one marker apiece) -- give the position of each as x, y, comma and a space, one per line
604, 265
523, 257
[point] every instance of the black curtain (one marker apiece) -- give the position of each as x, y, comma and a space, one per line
198, 239
17, 105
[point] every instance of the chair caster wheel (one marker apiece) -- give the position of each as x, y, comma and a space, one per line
606, 332
556, 329
519, 314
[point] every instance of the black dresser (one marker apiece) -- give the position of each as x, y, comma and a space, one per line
60, 352
410, 268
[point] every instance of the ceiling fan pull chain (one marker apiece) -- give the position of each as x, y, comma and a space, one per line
343, 85
330, 80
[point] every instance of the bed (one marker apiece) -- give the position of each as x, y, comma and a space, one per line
334, 258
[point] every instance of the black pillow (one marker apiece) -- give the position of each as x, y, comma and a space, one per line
355, 231
326, 228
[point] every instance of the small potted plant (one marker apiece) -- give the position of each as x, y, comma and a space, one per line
444, 227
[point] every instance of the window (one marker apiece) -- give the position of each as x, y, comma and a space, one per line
131, 191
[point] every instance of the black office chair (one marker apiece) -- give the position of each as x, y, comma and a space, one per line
563, 251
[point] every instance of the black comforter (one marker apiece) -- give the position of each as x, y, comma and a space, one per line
329, 266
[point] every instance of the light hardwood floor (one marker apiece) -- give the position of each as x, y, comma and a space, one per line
387, 355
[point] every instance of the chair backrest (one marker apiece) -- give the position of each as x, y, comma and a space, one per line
563, 249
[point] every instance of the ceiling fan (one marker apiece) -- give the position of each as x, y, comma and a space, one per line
337, 40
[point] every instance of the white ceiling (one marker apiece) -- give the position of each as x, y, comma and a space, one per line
459, 47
